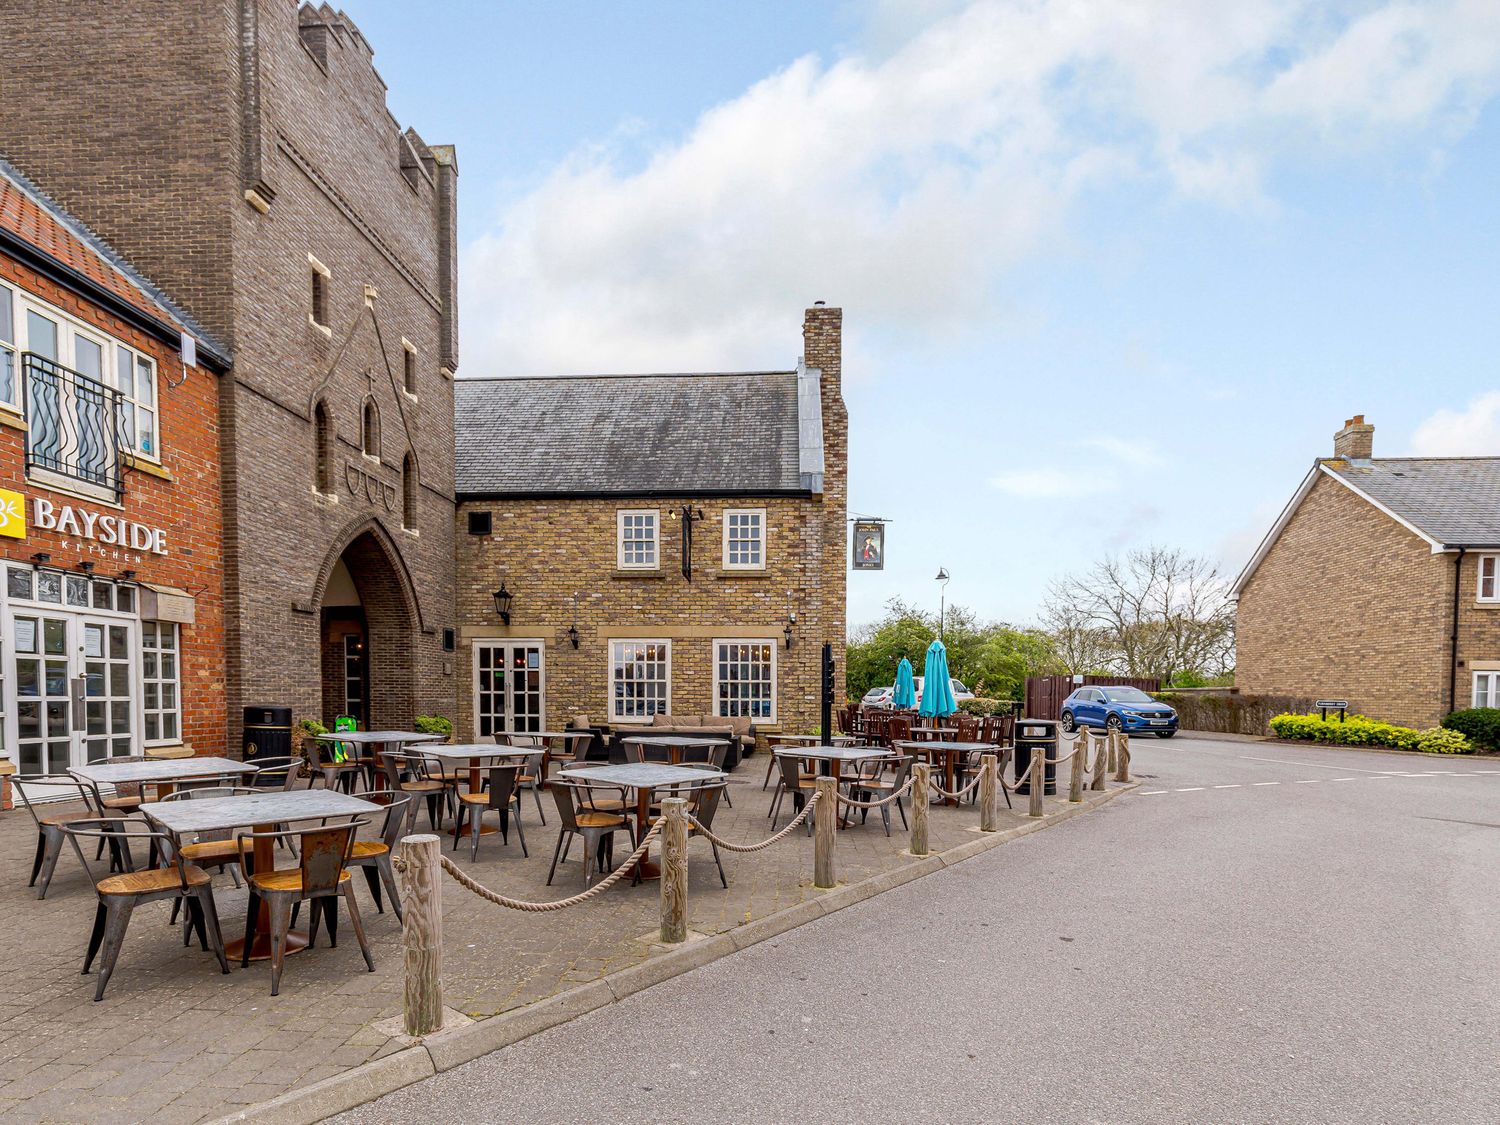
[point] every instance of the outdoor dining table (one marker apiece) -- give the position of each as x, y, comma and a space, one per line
164, 773
831, 760
473, 755
261, 812
675, 744
951, 753
576, 740
379, 741
642, 778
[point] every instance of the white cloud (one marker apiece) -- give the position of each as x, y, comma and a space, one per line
904, 178
1051, 483
1139, 454
1474, 432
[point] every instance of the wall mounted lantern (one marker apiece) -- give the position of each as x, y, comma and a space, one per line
573, 635
503, 599
791, 619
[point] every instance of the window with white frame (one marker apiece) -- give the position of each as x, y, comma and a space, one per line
745, 679
640, 680
28, 324
1489, 578
637, 539
161, 680
745, 538
1487, 689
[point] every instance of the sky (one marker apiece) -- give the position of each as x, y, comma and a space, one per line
1113, 273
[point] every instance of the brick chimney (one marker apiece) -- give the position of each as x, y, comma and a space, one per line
1356, 441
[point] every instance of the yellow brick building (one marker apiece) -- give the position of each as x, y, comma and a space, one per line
668, 544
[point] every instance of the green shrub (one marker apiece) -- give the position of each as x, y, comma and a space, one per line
1356, 730
434, 724
1480, 725
310, 728
982, 707
1440, 740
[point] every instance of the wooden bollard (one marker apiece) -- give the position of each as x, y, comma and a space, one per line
422, 933
1110, 740
1096, 773
989, 793
1122, 758
674, 873
1075, 779
1038, 778
825, 829
920, 798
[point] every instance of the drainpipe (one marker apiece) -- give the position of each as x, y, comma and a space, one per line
1458, 563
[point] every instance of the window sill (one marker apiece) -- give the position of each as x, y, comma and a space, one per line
627, 575
150, 468
1493, 604
323, 328
68, 486
13, 419
169, 750
741, 575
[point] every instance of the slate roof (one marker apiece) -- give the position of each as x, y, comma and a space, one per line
635, 435
1454, 501
27, 213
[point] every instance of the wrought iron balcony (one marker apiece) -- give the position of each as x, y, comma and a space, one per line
73, 424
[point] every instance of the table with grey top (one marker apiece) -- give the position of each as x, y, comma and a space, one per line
674, 744
162, 772
260, 812
474, 755
551, 743
643, 777
951, 753
378, 741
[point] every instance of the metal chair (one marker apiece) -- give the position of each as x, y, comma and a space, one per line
407, 773
653, 752
500, 794
795, 782
878, 786
336, 774
373, 857
281, 773
320, 877
579, 818
51, 825
534, 774
212, 849
703, 802
120, 894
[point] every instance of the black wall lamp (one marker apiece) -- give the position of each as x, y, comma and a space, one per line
573, 635
87, 566
791, 619
41, 558
503, 599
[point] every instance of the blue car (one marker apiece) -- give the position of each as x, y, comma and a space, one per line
1118, 708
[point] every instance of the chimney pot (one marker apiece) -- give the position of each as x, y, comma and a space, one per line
1356, 441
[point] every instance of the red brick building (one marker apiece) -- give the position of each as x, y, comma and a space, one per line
111, 559
240, 152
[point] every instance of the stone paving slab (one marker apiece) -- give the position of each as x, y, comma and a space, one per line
174, 1040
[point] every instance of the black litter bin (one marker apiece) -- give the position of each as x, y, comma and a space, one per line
268, 734
1038, 735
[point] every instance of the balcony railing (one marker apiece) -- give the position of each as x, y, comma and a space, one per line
73, 424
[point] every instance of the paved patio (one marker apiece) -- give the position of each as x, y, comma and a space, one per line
175, 1041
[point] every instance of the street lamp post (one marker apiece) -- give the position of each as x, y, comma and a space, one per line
942, 576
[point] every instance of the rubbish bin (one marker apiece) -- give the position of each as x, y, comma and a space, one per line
1039, 735
268, 734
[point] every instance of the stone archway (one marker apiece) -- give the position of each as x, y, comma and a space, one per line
368, 628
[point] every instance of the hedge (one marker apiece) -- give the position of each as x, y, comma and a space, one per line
1230, 713
1357, 730
1480, 725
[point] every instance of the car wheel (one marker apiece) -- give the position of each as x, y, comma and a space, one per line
1165, 733
1068, 725
1113, 722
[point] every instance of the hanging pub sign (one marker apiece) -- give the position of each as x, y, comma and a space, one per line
869, 545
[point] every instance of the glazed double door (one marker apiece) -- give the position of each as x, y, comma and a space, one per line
73, 680
509, 687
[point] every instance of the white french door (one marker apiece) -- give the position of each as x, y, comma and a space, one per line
73, 677
510, 686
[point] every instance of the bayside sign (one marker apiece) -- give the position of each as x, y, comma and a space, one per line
111, 531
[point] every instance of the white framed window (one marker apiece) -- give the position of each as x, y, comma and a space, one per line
745, 679
135, 379
1489, 578
640, 680
745, 539
161, 681
636, 532
318, 315
1487, 689
10, 391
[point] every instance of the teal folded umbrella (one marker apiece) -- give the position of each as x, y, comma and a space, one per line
937, 689
905, 695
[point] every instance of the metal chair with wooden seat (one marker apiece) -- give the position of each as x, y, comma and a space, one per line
407, 773
502, 794
38, 792
321, 877
120, 894
277, 773
796, 782
533, 775
336, 773
703, 803
579, 817
373, 857
212, 849
879, 785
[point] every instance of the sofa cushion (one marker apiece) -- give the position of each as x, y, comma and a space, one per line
740, 724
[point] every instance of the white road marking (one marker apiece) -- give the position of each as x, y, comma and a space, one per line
1350, 779
1308, 781
1387, 777
1265, 783
1226, 786
1191, 789
1152, 792
1314, 765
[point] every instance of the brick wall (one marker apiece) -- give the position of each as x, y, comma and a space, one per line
1349, 604
1478, 630
183, 501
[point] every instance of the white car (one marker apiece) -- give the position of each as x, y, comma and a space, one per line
882, 696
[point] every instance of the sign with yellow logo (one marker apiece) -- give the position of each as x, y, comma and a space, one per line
12, 514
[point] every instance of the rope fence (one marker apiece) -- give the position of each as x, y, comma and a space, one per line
420, 860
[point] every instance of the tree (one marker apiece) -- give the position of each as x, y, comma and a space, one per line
1157, 612
876, 649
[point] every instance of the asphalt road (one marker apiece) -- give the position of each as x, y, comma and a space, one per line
1261, 933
